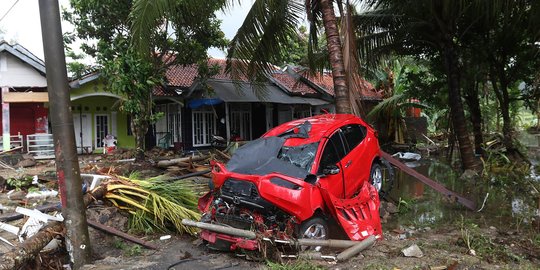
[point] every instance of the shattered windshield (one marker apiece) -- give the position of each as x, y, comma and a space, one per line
268, 155
301, 156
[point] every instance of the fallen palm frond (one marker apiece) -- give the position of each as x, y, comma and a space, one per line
152, 206
185, 193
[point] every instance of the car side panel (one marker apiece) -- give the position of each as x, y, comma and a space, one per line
359, 162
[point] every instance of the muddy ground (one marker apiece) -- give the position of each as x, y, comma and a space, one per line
470, 240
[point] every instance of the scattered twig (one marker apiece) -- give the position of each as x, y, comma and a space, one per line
223, 154
484, 203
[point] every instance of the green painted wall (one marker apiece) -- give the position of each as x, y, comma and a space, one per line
93, 99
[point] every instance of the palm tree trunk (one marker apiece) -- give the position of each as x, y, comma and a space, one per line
456, 107
473, 103
335, 57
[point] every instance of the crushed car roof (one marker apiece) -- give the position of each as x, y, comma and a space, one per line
321, 126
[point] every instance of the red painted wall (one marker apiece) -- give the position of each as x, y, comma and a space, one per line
27, 118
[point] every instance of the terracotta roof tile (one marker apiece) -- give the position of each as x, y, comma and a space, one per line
293, 85
184, 76
326, 82
163, 92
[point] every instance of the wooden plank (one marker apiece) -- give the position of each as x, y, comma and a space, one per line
435, 185
42, 208
121, 234
19, 97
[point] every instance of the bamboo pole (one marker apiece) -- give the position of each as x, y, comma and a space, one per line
354, 250
333, 243
220, 229
171, 162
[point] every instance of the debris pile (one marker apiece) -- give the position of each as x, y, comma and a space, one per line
152, 205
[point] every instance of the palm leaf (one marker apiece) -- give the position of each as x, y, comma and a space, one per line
154, 205
390, 104
145, 16
258, 42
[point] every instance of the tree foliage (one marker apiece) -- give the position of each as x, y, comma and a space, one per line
472, 43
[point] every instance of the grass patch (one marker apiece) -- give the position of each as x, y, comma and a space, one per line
474, 239
293, 265
128, 250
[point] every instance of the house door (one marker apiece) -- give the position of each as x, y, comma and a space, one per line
101, 128
82, 124
203, 126
161, 124
241, 123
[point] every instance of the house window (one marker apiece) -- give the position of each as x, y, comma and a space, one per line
102, 128
241, 122
204, 126
173, 122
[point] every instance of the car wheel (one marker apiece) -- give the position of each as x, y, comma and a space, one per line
313, 228
376, 177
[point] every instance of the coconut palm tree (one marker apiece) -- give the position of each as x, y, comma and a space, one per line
261, 37
424, 27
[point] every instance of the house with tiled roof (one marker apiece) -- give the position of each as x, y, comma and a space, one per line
233, 109
194, 110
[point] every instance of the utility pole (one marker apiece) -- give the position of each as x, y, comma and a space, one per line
67, 164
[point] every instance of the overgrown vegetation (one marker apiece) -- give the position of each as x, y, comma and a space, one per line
480, 244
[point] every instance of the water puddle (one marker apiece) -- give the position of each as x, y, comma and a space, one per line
511, 200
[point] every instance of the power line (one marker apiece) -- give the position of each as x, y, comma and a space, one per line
9, 10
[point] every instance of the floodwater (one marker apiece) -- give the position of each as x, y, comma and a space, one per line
506, 198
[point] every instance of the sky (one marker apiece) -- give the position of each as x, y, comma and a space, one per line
22, 24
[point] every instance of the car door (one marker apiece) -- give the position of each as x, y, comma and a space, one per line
332, 154
356, 162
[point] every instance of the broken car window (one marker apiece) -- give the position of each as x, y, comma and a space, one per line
260, 157
301, 156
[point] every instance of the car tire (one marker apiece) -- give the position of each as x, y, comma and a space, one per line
313, 228
376, 177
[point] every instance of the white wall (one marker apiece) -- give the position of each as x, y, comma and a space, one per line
15, 73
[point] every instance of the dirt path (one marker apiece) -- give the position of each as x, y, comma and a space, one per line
442, 248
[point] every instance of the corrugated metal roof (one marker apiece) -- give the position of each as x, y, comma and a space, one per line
229, 91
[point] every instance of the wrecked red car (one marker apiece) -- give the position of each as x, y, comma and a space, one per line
294, 179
